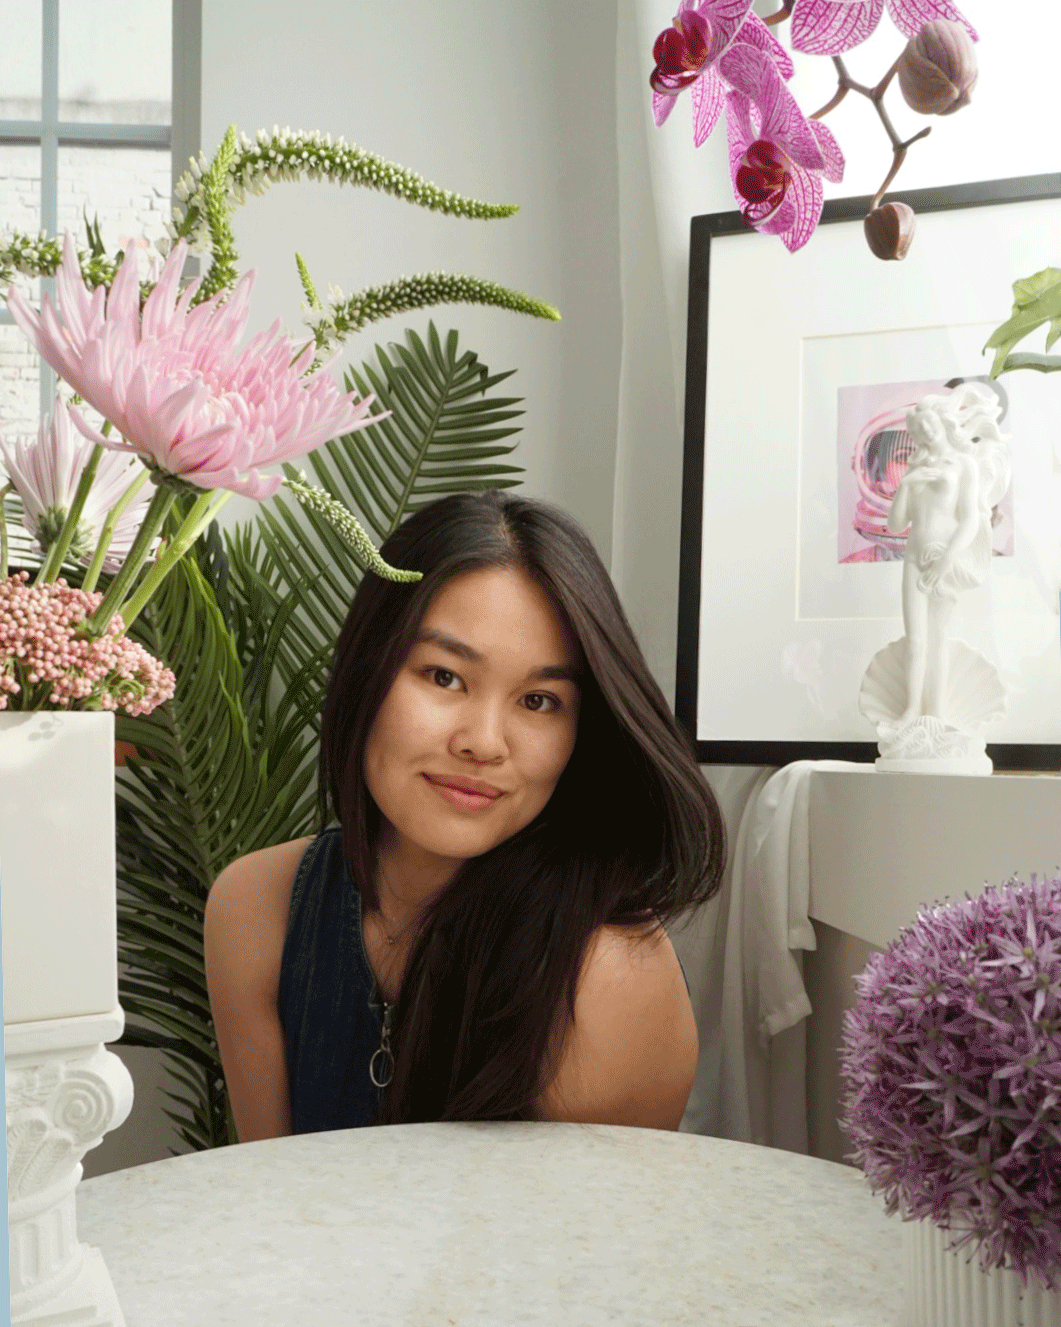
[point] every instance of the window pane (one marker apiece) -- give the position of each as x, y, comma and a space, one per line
20, 405
20, 187
115, 61
127, 188
20, 60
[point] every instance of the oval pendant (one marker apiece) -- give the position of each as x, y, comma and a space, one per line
372, 1068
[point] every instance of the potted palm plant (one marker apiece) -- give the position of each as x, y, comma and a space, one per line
951, 1070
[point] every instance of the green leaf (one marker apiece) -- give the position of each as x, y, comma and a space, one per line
1027, 360
1036, 300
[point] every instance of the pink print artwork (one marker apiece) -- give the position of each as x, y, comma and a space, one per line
873, 447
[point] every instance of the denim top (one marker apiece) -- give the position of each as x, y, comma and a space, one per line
330, 1008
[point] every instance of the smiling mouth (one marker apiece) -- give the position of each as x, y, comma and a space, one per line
460, 797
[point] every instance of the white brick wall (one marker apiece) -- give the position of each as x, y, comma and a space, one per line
129, 190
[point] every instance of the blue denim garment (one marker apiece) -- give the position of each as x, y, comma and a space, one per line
330, 1009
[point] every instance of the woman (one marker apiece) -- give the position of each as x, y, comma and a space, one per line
449, 955
956, 475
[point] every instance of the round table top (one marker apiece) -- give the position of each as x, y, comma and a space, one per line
490, 1223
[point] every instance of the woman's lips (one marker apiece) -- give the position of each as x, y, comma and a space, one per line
457, 797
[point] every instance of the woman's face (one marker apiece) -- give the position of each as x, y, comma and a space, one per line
486, 694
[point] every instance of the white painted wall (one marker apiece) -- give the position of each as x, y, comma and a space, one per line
499, 101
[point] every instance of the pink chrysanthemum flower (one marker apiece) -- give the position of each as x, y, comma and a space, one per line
45, 474
830, 27
172, 379
45, 665
951, 1065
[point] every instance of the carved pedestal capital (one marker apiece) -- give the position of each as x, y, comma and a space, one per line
65, 1090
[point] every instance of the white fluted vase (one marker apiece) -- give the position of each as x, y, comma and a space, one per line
65, 1090
946, 1288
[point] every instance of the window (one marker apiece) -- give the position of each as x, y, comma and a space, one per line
97, 103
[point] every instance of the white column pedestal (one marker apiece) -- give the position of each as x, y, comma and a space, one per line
65, 1090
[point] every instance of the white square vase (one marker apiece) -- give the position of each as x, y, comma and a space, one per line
57, 865
65, 1091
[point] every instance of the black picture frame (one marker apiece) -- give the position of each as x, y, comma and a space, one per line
703, 231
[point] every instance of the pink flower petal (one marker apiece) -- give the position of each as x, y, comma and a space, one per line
807, 198
909, 16
741, 130
752, 72
123, 302
830, 150
707, 94
662, 105
158, 307
829, 27
754, 32
725, 18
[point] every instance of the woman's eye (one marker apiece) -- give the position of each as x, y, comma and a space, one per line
435, 673
541, 696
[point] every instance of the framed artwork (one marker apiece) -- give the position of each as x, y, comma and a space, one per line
800, 367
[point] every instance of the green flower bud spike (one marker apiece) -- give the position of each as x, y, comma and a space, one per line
348, 528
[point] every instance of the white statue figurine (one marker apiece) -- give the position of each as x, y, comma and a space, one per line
928, 694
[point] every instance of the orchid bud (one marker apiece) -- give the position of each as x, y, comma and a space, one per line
937, 70
890, 230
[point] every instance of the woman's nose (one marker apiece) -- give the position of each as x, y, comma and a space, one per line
481, 731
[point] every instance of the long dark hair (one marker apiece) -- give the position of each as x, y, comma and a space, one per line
631, 835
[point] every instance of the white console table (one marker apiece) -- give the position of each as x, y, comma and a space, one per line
883, 844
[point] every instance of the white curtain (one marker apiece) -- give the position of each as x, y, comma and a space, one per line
743, 1090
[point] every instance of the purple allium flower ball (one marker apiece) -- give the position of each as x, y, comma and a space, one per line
951, 1072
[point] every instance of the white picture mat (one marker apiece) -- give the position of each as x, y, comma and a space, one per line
781, 328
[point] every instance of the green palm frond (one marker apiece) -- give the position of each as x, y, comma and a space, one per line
443, 435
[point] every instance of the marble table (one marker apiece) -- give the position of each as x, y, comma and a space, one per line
499, 1224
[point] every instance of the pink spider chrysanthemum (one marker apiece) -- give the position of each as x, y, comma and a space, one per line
173, 380
830, 27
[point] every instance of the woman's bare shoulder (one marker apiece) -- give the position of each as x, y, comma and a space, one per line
267, 875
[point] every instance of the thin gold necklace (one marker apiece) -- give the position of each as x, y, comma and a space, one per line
391, 939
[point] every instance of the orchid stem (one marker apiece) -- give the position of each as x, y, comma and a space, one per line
780, 15
107, 532
846, 84
162, 499
8, 488
58, 551
897, 160
200, 516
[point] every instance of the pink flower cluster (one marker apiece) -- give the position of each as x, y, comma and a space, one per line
39, 648
951, 1063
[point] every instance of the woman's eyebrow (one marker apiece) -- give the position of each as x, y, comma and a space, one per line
548, 672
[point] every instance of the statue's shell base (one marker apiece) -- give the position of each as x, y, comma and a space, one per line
927, 743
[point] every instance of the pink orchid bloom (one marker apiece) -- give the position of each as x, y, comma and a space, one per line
173, 381
687, 55
777, 157
829, 27
45, 474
